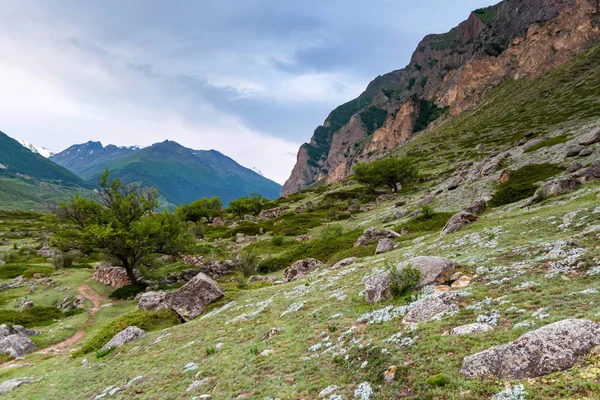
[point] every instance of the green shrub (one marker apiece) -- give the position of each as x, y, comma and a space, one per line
521, 183
438, 380
64, 259
28, 274
241, 280
248, 263
373, 118
403, 281
277, 240
210, 350
331, 232
427, 212
9, 271
548, 143
299, 224
127, 292
102, 354
34, 316
146, 320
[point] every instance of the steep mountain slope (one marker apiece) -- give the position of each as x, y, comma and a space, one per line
16, 160
519, 39
180, 174
42, 151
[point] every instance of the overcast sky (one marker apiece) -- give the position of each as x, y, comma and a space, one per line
250, 78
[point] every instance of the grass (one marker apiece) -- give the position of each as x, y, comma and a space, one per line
424, 224
549, 143
522, 183
35, 316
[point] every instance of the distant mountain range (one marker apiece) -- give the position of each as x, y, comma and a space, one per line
180, 174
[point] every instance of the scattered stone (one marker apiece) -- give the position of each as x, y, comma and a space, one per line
399, 214
574, 150
300, 268
426, 200
590, 138
266, 352
589, 173
586, 152
196, 384
490, 167
373, 235
434, 270
461, 282
552, 348
152, 301
46, 251
574, 167
470, 329
127, 335
363, 391
6, 330
16, 345
458, 221
261, 278
553, 188
272, 332
389, 374
344, 263
329, 390
12, 384
385, 246
71, 303
191, 299
432, 307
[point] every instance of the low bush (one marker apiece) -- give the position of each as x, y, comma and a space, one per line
521, 183
277, 240
64, 259
248, 263
127, 292
9, 271
299, 224
34, 316
30, 272
403, 281
146, 320
438, 380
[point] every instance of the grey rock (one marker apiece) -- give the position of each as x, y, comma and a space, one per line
551, 348
399, 214
429, 307
16, 345
6, 330
590, 138
377, 288
590, 172
434, 270
426, 200
2, 263
261, 278
553, 188
12, 384
71, 303
127, 335
400, 203
532, 143
574, 167
490, 167
373, 235
586, 152
152, 301
385, 246
458, 221
470, 329
476, 207
344, 263
299, 268
191, 299
574, 150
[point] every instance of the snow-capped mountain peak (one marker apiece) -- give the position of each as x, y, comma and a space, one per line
42, 151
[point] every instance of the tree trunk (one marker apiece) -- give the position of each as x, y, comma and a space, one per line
130, 274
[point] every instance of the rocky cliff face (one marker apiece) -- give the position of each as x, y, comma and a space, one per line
448, 73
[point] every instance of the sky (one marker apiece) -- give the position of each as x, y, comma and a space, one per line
249, 78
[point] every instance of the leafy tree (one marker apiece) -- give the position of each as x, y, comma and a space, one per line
122, 224
238, 207
202, 208
252, 204
392, 172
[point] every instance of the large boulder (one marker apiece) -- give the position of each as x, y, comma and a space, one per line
344, 263
552, 348
16, 345
385, 246
590, 138
558, 187
152, 301
6, 330
431, 306
469, 329
476, 207
574, 151
191, 299
458, 221
127, 335
299, 268
373, 235
590, 172
434, 270
377, 288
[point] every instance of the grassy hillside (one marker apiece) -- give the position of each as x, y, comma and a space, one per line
20, 194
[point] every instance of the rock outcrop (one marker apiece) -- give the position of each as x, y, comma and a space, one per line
127, 335
374, 235
71, 302
300, 268
457, 221
16, 345
523, 40
114, 276
385, 246
552, 348
431, 306
152, 301
191, 299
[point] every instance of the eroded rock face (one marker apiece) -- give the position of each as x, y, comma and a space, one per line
127, 335
377, 288
552, 348
152, 301
457, 222
299, 268
434, 270
373, 235
16, 345
431, 306
470, 329
191, 299
385, 246
114, 276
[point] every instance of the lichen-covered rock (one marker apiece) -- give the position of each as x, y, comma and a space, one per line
434, 270
590, 138
299, 268
470, 329
476, 207
385, 246
426, 309
458, 221
12, 384
6, 330
191, 299
574, 167
344, 263
16, 345
377, 288
71, 303
552, 348
574, 151
152, 301
590, 172
373, 235
556, 188
127, 335
461, 282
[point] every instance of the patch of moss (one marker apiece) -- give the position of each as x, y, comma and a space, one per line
548, 143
